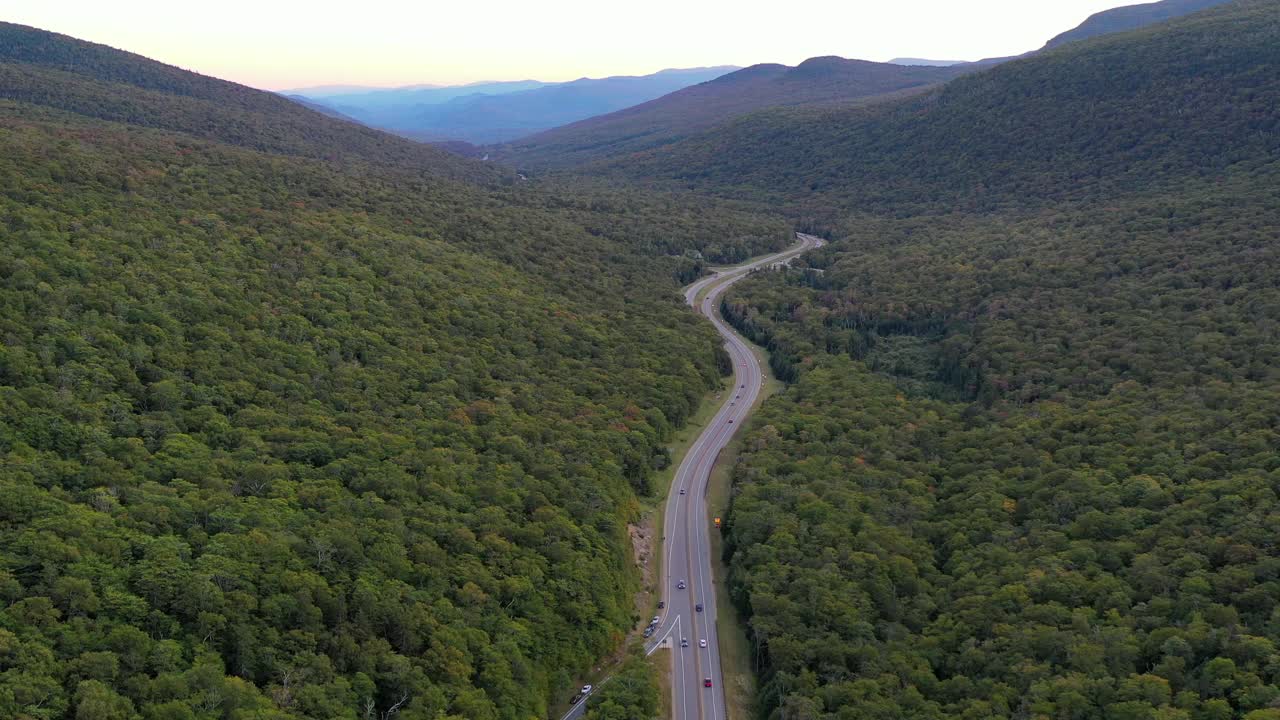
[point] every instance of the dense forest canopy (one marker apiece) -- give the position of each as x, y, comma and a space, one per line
1170, 104
317, 424
300, 420
1029, 466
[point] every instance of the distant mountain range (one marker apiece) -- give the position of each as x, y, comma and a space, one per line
824, 81
379, 102
922, 61
1017, 131
501, 111
817, 81
324, 109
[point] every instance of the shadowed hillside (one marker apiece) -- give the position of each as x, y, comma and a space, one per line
1188, 100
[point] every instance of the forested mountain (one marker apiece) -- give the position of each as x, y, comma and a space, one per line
1087, 120
497, 112
1029, 465
301, 420
54, 70
1131, 17
817, 81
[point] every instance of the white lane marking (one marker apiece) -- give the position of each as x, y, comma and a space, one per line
713, 435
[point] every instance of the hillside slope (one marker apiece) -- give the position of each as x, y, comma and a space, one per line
1027, 466
817, 81
57, 71
1131, 17
1088, 119
301, 420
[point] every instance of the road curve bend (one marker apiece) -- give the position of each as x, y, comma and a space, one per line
687, 544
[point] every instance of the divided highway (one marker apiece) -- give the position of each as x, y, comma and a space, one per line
687, 544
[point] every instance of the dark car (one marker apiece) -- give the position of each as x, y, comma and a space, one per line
662, 604
698, 607
575, 699
680, 585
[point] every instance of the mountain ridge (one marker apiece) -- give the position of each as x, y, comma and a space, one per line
907, 148
495, 112
1130, 17
816, 81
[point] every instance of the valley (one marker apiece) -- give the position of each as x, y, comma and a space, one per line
303, 419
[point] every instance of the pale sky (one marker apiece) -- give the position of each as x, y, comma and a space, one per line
279, 44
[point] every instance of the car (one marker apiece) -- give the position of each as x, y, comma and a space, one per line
684, 642
655, 619
681, 491
744, 386
586, 689
575, 699
698, 607
702, 643
732, 404
706, 682
730, 422
648, 632
662, 604
680, 585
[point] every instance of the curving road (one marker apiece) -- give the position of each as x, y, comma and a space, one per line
687, 523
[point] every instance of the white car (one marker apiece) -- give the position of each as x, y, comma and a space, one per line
702, 643
586, 689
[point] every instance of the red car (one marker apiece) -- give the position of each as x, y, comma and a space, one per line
706, 682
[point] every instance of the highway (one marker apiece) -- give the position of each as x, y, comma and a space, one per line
687, 525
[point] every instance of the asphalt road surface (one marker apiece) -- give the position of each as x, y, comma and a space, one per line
687, 545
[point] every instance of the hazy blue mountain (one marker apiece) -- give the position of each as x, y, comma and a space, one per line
1131, 17
372, 101
330, 90
922, 61
497, 112
325, 109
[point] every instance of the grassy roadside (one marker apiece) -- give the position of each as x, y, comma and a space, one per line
655, 507
662, 664
735, 648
